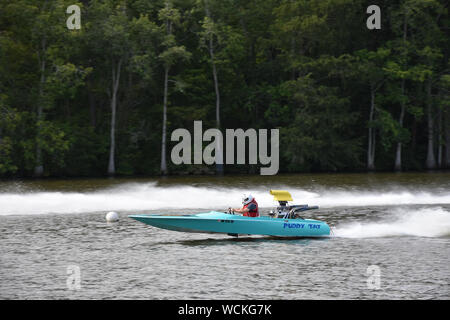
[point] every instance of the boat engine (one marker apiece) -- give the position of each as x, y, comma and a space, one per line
285, 211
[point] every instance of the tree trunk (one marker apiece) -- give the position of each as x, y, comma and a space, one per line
431, 161
440, 142
293, 57
219, 155
1, 138
115, 89
164, 126
39, 167
371, 142
216, 83
398, 153
447, 137
92, 108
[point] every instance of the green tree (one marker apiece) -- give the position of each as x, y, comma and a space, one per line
369, 68
109, 32
172, 54
318, 136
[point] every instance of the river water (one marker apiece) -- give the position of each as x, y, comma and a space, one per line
391, 239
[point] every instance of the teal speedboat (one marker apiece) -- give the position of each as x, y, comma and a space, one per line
284, 222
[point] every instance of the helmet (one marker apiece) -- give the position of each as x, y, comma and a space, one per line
247, 199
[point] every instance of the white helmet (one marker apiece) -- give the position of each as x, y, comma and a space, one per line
247, 199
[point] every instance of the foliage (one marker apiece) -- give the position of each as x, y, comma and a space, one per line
307, 67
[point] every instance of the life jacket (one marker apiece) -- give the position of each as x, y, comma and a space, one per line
251, 213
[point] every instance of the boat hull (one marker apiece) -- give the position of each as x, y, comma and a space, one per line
219, 222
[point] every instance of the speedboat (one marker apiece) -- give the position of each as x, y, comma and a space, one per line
285, 221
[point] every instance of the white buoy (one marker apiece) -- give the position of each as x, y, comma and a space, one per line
112, 216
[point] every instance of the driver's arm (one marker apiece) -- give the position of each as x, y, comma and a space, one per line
251, 206
244, 210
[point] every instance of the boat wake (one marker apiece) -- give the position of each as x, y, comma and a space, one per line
424, 222
133, 197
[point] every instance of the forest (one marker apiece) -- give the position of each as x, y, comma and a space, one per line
103, 99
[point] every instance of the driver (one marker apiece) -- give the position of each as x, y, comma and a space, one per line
250, 207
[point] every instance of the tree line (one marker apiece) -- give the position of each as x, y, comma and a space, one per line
103, 99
